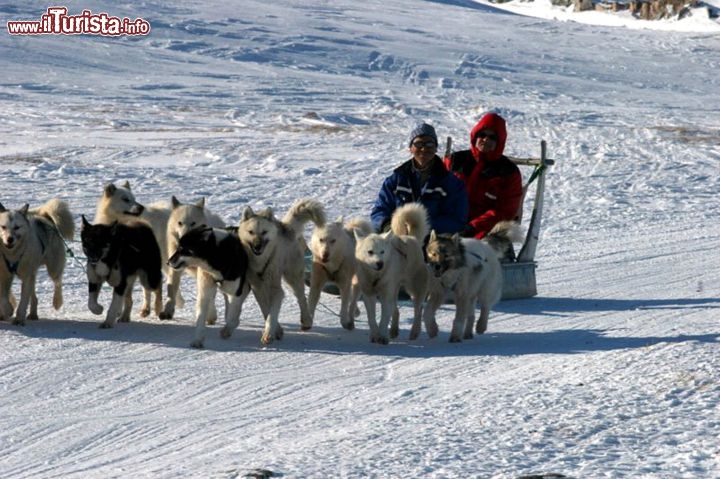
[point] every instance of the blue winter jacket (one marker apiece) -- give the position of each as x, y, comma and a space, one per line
443, 195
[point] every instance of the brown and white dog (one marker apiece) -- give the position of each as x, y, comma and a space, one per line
276, 252
30, 239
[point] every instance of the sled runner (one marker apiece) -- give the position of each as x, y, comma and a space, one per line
519, 275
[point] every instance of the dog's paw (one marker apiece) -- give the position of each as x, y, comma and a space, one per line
266, 339
455, 339
124, 319
164, 316
197, 344
349, 325
468, 336
95, 308
144, 312
33, 317
432, 330
225, 332
414, 333
18, 322
106, 325
279, 333
211, 320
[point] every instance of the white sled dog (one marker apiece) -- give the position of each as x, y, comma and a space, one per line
276, 251
385, 263
184, 218
470, 270
333, 252
220, 261
30, 239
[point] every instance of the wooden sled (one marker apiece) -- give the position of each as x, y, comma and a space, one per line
518, 276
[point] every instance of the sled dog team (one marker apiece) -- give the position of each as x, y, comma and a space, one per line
129, 241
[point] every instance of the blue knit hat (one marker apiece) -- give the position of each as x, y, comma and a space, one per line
423, 129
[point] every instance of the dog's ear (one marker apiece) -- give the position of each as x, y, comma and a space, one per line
267, 213
109, 189
433, 236
340, 219
126, 185
85, 222
2, 208
24, 209
208, 235
456, 238
201, 203
175, 202
247, 213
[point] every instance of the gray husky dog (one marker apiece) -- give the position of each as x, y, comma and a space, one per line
276, 251
470, 271
30, 239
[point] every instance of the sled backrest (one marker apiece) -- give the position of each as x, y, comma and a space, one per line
527, 252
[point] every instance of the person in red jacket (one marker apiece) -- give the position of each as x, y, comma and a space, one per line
493, 182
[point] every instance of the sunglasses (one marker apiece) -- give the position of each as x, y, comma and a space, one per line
424, 144
489, 136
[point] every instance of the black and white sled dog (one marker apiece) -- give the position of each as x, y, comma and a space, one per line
120, 253
184, 218
388, 261
118, 203
220, 261
30, 239
333, 252
470, 270
276, 251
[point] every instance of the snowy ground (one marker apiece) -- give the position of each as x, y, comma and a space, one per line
611, 371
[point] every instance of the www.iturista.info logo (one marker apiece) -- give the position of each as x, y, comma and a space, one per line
57, 22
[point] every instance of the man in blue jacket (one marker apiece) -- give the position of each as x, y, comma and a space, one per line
423, 179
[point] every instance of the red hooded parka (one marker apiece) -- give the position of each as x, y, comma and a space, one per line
493, 182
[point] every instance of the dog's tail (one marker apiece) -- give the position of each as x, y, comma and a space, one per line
58, 212
410, 219
303, 211
502, 236
359, 226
